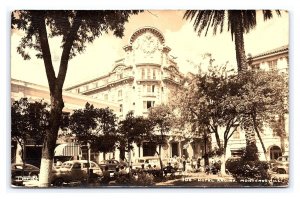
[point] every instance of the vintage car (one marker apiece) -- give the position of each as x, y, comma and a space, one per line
281, 165
21, 173
147, 161
75, 171
111, 164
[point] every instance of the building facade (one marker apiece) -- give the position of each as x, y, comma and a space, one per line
276, 143
275, 59
145, 77
34, 92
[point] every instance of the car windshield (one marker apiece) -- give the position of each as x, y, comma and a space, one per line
66, 165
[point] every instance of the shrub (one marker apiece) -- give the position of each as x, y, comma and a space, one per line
124, 179
249, 172
144, 179
138, 179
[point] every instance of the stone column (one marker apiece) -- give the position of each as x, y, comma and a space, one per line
19, 154
179, 149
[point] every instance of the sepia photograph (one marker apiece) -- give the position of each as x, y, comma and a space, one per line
149, 99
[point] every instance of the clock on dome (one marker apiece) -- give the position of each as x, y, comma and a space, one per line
147, 43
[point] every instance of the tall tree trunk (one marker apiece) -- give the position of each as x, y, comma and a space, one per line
251, 147
206, 159
122, 153
55, 87
242, 66
239, 42
161, 164
217, 137
258, 135
223, 158
50, 139
282, 133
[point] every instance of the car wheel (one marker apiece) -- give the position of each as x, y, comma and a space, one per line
58, 182
281, 171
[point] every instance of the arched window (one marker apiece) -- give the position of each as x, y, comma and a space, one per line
275, 152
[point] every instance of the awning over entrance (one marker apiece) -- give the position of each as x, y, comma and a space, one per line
68, 149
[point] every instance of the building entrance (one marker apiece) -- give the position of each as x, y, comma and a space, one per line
149, 149
275, 152
175, 149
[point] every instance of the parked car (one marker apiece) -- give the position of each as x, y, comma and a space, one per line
20, 175
111, 164
146, 161
75, 171
280, 165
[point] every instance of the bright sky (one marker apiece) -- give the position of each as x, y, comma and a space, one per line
99, 56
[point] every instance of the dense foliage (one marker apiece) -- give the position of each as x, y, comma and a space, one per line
95, 126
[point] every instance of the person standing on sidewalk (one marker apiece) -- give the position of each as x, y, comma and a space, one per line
183, 163
198, 163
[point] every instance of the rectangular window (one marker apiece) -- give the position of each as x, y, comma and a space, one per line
153, 88
121, 108
272, 64
95, 84
120, 94
113, 97
148, 104
154, 74
148, 88
255, 66
148, 73
143, 73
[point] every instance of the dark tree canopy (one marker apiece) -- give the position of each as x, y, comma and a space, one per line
162, 117
133, 130
215, 19
61, 23
29, 120
95, 126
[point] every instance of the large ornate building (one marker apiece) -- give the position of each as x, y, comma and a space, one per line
145, 77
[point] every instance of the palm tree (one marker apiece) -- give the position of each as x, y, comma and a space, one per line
239, 22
